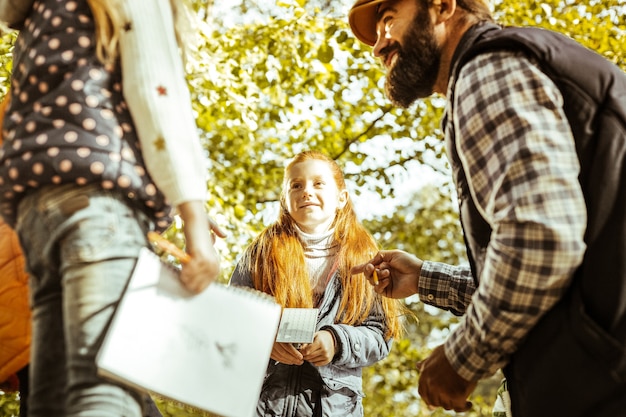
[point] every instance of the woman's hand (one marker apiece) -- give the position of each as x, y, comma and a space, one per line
200, 234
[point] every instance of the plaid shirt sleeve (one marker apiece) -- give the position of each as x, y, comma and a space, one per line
446, 286
518, 153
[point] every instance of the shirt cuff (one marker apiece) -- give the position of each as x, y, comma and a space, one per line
445, 286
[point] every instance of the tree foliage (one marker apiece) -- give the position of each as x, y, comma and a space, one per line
296, 79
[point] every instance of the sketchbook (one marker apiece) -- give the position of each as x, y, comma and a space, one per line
297, 325
209, 351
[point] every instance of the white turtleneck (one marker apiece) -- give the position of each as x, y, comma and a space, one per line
320, 251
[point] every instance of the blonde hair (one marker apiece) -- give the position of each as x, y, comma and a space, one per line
109, 23
276, 262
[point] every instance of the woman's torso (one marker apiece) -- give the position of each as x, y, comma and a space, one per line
68, 121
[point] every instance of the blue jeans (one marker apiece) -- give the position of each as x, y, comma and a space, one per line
81, 244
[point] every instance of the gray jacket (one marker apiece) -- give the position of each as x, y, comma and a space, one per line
342, 385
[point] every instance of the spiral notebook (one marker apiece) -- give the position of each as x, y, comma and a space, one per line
297, 325
209, 350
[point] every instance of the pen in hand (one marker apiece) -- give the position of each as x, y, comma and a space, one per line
374, 274
168, 247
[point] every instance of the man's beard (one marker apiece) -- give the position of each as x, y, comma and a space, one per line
414, 73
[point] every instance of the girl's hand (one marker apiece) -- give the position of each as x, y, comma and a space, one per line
286, 353
322, 351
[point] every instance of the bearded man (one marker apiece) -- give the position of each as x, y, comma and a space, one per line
535, 131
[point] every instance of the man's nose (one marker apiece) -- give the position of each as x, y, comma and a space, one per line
382, 39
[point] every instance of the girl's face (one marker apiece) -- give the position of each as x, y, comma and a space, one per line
312, 195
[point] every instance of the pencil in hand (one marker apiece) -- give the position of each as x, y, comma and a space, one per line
168, 247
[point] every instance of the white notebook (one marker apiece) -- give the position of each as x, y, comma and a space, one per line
209, 350
297, 325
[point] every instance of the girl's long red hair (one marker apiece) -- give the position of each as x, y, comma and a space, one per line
276, 262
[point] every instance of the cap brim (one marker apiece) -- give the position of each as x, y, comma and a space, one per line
362, 20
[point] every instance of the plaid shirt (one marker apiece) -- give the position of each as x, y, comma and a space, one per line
525, 185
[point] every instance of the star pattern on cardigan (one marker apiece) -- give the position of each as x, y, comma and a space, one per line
161, 90
159, 144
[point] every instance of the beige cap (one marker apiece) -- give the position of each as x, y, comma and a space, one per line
362, 19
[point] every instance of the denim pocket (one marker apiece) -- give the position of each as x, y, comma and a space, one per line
91, 239
107, 228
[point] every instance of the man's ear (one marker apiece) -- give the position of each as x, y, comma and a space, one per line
444, 10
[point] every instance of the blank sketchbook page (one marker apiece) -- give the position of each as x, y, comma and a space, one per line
209, 350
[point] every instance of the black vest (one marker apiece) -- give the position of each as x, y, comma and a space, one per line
573, 362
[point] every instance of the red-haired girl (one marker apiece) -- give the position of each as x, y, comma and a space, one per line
304, 260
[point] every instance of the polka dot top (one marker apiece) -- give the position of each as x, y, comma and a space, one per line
67, 121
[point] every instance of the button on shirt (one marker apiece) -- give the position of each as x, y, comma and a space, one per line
519, 157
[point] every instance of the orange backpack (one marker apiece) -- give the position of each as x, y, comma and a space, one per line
15, 325
3, 108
